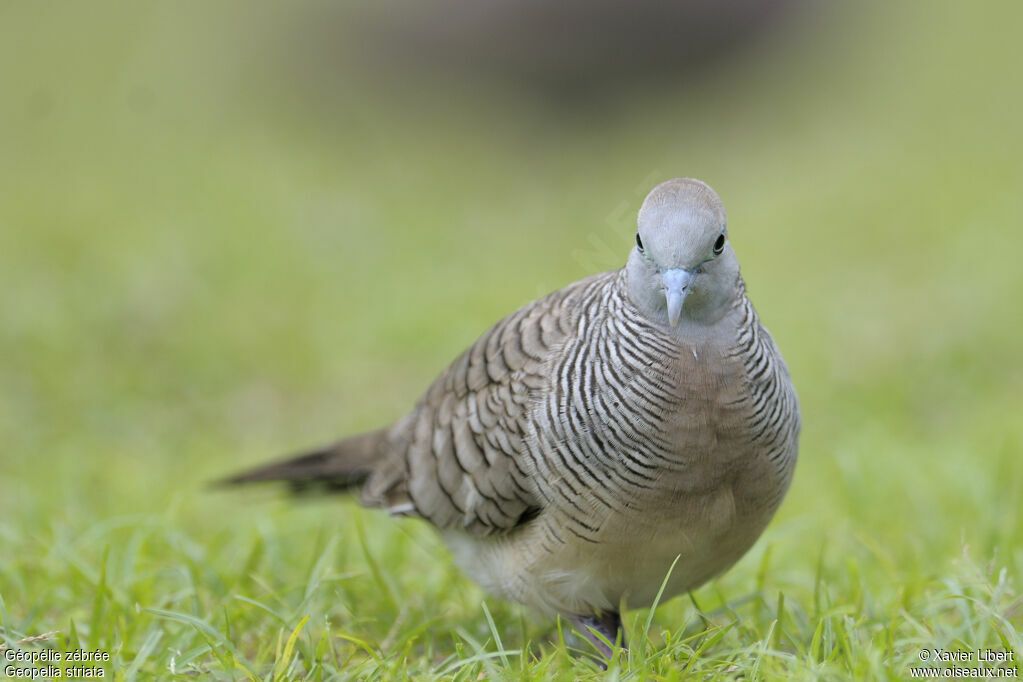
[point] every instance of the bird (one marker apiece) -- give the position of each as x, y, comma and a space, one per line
620, 440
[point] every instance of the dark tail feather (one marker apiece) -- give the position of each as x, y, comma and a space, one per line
335, 468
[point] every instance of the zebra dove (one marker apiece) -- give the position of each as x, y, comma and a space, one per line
584, 444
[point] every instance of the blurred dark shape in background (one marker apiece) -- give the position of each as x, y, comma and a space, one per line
571, 53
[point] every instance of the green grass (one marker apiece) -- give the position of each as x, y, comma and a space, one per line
203, 266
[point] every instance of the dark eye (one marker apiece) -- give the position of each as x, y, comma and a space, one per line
639, 242
719, 244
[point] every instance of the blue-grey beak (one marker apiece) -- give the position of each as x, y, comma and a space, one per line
676, 287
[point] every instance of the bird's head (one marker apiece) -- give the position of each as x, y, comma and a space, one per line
682, 267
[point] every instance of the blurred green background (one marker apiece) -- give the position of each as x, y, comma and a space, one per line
222, 239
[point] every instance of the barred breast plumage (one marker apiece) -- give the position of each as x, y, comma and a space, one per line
589, 440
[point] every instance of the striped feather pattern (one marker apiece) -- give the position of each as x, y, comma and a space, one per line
566, 407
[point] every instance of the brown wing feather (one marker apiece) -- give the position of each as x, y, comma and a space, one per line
456, 458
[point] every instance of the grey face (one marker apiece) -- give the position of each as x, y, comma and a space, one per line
682, 250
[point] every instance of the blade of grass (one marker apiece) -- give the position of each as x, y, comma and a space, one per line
496, 634
97, 602
147, 648
657, 599
200, 625
374, 568
289, 648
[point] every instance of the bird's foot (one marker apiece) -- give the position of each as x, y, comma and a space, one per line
600, 629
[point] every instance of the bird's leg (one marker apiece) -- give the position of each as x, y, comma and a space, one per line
608, 624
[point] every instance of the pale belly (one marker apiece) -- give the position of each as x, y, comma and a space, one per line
630, 560
712, 498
